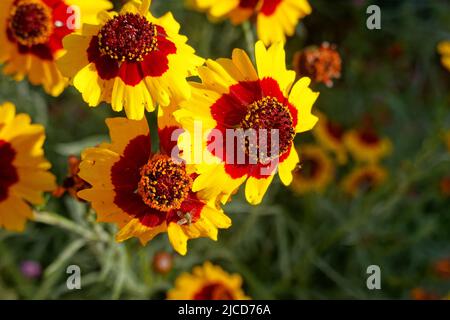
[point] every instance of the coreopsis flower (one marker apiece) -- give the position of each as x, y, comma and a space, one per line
24, 172
322, 64
330, 135
72, 184
234, 98
444, 50
275, 19
146, 193
207, 282
366, 145
131, 60
364, 179
31, 34
315, 172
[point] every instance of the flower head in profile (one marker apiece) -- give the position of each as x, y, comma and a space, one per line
275, 19
322, 64
249, 119
364, 179
366, 145
146, 193
444, 50
315, 172
31, 34
24, 175
131, 59
207, 282
330, 135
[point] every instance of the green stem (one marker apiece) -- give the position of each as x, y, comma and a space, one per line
63, 223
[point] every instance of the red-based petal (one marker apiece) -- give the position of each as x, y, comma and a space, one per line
107, 68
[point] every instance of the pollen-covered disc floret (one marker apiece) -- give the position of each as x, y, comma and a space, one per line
164, 184
30, 22
268, 114
128, 37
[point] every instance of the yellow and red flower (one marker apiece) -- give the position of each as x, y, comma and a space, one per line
330, 135
207, 282
233, 96
131, 60
147, 193
322, 64
444, 50
275, 19
31, 34
24, 172
364, 179
315, 172
366, 145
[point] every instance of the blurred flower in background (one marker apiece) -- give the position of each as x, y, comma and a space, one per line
275, 19
31, 34
444, 50
24, 175
322, 64
363, 179
315, 171
31, 269
207, 282
72, 183
366, 145
330, 135
163, 262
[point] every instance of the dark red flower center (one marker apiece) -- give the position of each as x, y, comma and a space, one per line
8, 173
214, 291
128, 37
268, 118
369, 137
335, 130
248, 4
366, 182
30, 22
310, 167
164, 184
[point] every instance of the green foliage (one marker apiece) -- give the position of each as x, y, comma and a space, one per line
302, 247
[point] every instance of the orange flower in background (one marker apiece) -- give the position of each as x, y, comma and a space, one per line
24, 175
234, 96
72, 183
444, 50
315, 172
147, 193
366, 145
275, 19
364, 179
330, 135
422, 294
322, 64
442, 268
445, 186
207, 282
131, 59
31, 34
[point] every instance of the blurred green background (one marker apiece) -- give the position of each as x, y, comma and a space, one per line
291, 247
